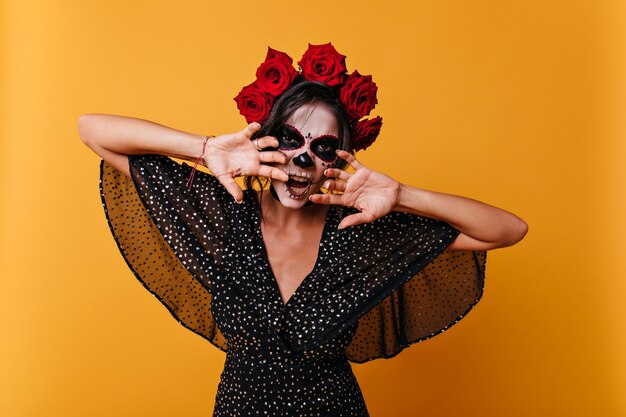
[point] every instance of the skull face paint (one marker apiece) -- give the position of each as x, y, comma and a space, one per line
324, 146
309, 139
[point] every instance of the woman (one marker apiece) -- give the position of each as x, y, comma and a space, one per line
292, 283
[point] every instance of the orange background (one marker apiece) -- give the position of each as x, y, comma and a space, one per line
514, 103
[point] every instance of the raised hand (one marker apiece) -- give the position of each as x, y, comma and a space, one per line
234, 154
371, 192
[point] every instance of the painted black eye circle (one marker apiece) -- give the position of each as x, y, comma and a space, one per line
289, 141
325, 148
288, 138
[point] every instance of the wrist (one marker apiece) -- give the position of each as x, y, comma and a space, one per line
190, 149
401, 197
202, 149
200, 159
412, 200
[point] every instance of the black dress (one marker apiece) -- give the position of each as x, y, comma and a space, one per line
375, 288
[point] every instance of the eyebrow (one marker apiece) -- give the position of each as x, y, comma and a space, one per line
315, 138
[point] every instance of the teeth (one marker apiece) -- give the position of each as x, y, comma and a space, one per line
299, 178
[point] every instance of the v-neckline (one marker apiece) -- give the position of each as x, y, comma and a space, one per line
266, 259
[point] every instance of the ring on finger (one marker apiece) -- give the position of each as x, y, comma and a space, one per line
256, 143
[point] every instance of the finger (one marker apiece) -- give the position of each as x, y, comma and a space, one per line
231, 186
334, 199
355, 219
251, 129
266, 142
332, 185
273, 173
273, 156
348, 157
337, 173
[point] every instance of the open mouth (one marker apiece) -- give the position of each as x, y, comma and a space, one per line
298, 185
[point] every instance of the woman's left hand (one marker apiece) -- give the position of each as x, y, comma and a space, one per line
371, 192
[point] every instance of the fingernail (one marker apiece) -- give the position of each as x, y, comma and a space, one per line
326, 172
327, 185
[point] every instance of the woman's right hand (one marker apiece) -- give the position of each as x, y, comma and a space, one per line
234, 155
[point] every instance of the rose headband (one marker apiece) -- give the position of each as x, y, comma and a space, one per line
320, 63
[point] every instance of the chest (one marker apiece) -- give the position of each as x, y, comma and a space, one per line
292, 256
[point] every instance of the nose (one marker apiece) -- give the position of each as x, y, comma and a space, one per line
303, 160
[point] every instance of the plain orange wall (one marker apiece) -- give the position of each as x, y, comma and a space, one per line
514, 103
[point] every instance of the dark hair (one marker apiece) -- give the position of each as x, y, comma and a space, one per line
300, 93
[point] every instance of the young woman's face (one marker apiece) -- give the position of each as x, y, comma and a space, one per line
309, 138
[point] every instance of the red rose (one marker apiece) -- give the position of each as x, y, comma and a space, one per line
254, 104
359, 95
276, 73
365, 132
273, 53
323, 63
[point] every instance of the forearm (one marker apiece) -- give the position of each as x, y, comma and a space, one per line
476, 219
132, 136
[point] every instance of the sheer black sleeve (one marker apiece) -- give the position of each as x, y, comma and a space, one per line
171, 238
398, 281
430, 302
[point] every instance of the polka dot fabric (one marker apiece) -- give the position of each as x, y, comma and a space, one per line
152, 260
375, 288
